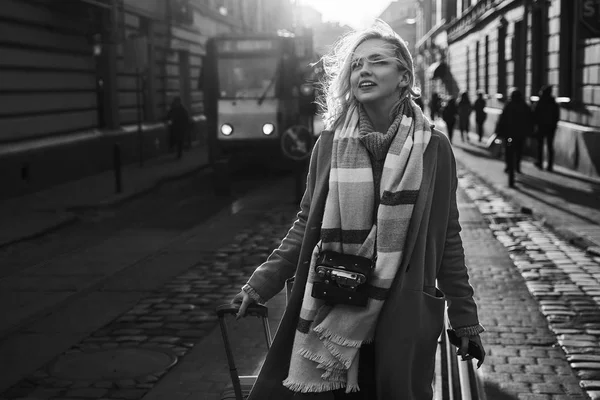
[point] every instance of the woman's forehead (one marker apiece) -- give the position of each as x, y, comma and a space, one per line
373, 47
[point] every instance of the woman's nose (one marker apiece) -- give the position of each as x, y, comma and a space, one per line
365, 69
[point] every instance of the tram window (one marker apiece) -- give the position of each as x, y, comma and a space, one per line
247, 77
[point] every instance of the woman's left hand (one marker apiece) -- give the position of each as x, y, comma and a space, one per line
463, 351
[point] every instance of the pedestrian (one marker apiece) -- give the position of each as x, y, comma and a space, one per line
179, 124
464, 113
378, 148
480, 114
449, 116
514, 125
435, 105
546, 116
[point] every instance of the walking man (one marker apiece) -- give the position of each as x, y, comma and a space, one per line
546, 115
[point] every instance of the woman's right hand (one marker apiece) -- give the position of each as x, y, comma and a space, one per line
244, 300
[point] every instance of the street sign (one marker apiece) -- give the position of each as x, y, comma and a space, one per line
589, 17
296, 142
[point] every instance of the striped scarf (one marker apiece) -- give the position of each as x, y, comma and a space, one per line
328, 338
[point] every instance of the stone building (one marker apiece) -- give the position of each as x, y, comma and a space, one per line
72, 74
494, 45
400, 15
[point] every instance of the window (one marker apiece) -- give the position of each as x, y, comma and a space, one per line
568, 45
486, 83
468, 70
502, 58
477, 75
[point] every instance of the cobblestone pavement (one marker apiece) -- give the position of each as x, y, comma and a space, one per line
169, 321
538, 300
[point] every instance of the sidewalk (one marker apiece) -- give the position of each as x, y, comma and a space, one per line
567, 202
33, 215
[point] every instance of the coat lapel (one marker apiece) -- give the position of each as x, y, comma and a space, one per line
429, 166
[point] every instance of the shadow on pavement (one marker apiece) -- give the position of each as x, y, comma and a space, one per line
494, 392
570, 195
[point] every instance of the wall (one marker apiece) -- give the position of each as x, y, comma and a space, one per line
577, 142
47, 72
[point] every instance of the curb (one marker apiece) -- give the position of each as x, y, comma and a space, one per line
68, 220
566, 234
124, 198
70, 212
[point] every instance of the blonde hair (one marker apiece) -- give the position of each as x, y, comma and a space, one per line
337, 98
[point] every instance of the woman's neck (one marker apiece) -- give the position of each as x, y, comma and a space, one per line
379, 116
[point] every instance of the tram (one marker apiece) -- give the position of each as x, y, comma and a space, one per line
255, 95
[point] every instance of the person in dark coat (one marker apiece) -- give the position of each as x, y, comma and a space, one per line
449, 116
435, 105
514, 125
546, 116
464, 113
480, 114
179, 124
402, 217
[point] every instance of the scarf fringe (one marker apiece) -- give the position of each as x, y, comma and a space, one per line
312, 387
337, 339
350, 388
324, 363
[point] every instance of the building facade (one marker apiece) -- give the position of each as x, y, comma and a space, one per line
73, 73
401, 16
495, 45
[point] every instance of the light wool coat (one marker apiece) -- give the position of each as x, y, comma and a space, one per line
412, 317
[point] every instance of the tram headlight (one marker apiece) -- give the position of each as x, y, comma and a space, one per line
268, 129
226, 129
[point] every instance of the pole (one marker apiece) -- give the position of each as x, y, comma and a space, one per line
139, 115
117, 167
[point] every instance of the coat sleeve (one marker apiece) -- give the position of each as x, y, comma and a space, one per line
269, 278
453, 277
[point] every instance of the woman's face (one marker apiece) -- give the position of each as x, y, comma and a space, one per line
375, 75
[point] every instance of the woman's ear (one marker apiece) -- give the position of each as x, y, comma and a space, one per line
404, 79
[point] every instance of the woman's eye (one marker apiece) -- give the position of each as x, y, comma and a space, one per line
355, 65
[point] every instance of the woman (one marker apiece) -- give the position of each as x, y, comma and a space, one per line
381, 185
464, 113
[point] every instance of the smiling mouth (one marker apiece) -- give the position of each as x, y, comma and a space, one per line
366, 85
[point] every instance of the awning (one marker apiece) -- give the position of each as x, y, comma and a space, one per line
437, 70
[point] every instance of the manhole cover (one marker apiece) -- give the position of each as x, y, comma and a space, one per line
111, 364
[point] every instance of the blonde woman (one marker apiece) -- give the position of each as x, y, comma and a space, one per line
381, 186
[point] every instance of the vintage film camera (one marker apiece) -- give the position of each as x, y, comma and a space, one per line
342, 278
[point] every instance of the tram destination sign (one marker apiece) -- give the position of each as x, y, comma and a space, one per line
589, 16
247, 45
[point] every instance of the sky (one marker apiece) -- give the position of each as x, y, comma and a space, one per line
356, 13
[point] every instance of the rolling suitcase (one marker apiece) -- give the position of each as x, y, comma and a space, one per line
240, 385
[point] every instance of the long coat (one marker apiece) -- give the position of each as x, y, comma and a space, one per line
412, 317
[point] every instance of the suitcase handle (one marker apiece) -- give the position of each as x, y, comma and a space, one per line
232, 309
255, 310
